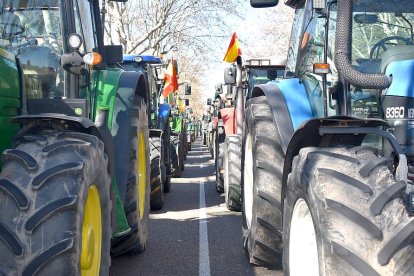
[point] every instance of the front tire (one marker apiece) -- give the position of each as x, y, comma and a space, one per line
352, 203
158, 173
176, 156
137, 199
55, 206
218, 155
262, 168
232, 172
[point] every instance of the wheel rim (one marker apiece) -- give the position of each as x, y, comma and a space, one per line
142, 174
303, 250
91, 234
248, 180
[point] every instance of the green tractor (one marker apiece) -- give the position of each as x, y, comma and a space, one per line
74, 181
178, 126
159, 133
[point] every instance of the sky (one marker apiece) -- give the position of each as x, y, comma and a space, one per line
250, 30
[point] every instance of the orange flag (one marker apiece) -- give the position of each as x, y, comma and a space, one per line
234, 49
170, 78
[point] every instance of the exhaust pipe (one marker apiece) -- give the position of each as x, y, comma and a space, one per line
343, 55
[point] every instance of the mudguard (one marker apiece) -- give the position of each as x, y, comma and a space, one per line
289, 104
215, 122
164, 112
130, 84
227, 117
78, 124
310, 134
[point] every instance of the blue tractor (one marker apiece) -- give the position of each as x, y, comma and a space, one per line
328, 156
159, 126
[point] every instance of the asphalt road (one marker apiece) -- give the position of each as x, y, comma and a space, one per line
194, 233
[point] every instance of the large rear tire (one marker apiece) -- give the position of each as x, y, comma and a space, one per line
158, 173
232, 172
166, 141
344, 214
176, 157
138, 189
55, 206
262, 168
219, 155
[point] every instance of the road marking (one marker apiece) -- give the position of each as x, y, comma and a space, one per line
204, 259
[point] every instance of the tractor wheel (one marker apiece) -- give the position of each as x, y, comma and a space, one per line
182, 150
219, 153
344, 214
158, 173
166, 141
185, 144
212, 145
262, 168
138, 189
232, 172
55, 206
175, 156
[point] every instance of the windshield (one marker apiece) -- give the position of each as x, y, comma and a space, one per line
262, 76
31, 30
381, 29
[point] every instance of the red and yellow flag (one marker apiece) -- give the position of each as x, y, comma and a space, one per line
234, 49
170, 78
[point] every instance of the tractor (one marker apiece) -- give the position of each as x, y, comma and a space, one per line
74, 180
159, 133
222, 112
179, 147
252, 72
327, 156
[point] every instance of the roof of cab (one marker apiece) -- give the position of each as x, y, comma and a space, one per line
149, 59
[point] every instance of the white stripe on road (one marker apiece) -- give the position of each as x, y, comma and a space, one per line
204, 259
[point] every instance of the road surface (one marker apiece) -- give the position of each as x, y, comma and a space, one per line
194, 233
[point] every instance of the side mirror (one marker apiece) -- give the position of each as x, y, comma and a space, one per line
219, 88
230, 75
187, 89
113, 54
187, 102
209, 101
263, 3
72, 62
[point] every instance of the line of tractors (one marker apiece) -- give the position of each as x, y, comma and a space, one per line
317, 151
89, 144
325, 178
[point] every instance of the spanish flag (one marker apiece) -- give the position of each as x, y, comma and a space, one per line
234, 49
170, 78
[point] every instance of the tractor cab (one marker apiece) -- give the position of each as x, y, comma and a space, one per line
261, 71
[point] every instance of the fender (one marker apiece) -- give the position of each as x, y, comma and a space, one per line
289, 105
164, 112
315, 133
79, 124
130, 84
227, 116
215, 122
